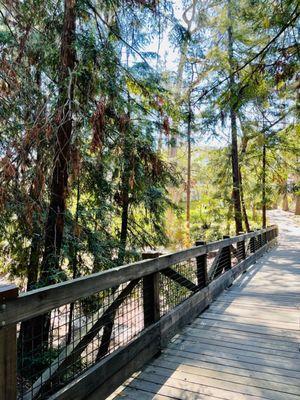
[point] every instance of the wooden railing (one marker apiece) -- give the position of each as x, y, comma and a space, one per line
98, 329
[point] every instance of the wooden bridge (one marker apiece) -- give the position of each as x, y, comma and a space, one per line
216, 321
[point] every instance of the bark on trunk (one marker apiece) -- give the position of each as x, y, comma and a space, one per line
74, 260
125, 192
35, 194
245, 215
189, 16
264, 206
54, 227
27, 328
189, 164
297, 208
233, 120
285, 202
56, 215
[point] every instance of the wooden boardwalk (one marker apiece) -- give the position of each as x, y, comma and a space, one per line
245, 346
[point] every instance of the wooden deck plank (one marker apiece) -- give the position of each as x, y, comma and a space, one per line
244, 327
278, 373
245, 346
265, 315
243, 338
181, 390
248, 356
254, 389
240, 344
291, 326
239, 370
224, 376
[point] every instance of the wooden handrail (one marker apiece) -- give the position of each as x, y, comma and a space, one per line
39, 301
200, 290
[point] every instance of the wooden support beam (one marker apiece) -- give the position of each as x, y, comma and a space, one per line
202, 276
38, 301
8, 348
241, 249
72, 352
180, 279
102, 379
151, 302
227, 256
252, 244
213, 268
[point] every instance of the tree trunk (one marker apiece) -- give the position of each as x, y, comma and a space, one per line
297, 208
189, 163
189, 16
125, 192
264, 205
229, 218
233, 120
56, 214
245, 215
35, 194
27, 327
108, 328
54, 227
285, 202
73, 245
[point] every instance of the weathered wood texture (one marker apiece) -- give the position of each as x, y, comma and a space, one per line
121, 363
36, 302
244, 346
8, 349
202, 273
175, 320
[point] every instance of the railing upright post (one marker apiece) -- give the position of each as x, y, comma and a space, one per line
241, 249
227, 255
252, 244
258, 240
151, 302
8, 348
264, 238
201, 261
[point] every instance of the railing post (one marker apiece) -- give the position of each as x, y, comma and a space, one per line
201, 261
8, 348
268, 236
241, 250
252, 244
260, 241
151, 301
227, 255
264, 238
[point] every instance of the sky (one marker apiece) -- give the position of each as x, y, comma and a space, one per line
169, 55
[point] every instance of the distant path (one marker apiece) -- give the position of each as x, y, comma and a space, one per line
246, 345
288, 223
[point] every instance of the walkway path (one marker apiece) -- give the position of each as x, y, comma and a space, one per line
246, 345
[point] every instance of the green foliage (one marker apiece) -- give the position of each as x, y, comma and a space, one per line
126, 190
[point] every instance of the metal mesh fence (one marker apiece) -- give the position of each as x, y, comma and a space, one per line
177, 285
56, 347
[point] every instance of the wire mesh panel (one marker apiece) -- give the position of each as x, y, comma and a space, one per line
56, 347
238, 253
219, 263
177, 284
